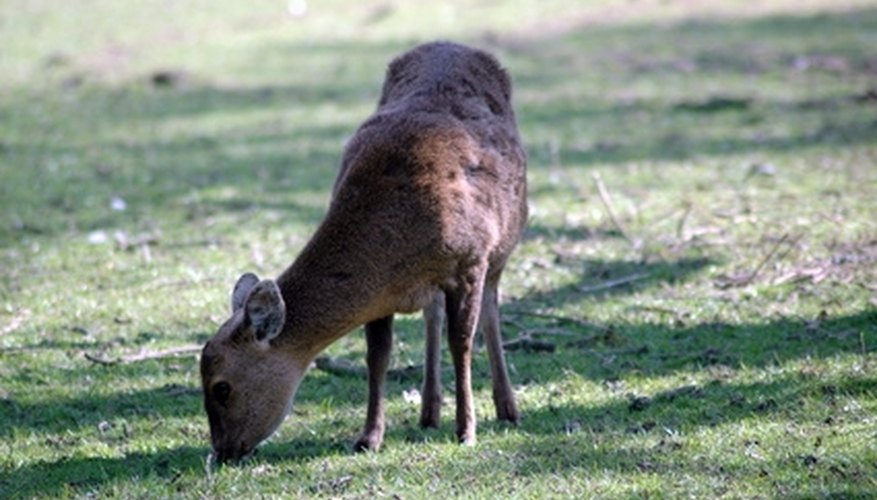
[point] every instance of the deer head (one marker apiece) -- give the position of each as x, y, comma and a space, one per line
248, 383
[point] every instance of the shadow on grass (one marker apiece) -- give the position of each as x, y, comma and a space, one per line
658, 349
78, 474
646, 350
595, 273
609, 352
58, 415
724, 114
689, 407
564, 438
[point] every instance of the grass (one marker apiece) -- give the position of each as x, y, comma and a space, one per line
152, 152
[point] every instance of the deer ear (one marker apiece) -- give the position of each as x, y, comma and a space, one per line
265, 310
241, 289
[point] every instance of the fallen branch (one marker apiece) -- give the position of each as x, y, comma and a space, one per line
184, 283
678, 316
606, 285
559, 332
560, 319
17, 320
144, 355
743, 279
124, 242
529, 344
814, 274
608, 337
338, 366
343, 367
407, 372
607, 202
680, 227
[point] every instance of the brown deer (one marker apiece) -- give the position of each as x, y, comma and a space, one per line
429, 203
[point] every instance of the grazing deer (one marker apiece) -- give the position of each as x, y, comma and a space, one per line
428, 205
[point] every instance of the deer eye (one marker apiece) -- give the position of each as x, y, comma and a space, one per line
221, 390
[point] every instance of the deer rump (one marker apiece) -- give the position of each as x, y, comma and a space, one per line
434, 181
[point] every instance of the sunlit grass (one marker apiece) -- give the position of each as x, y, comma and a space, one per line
730, 139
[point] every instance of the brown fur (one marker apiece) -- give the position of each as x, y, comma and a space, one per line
428, 204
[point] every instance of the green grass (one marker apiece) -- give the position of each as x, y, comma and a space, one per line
730, 137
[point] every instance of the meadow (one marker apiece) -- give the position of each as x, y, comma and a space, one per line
691, 313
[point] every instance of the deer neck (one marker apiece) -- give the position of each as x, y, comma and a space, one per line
329, 290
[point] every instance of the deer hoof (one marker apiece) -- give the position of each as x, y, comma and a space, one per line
368, 442
508, 413
429, 419
468, 440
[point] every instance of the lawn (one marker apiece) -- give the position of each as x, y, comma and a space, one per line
695, 299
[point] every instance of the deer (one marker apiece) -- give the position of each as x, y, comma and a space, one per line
429, 202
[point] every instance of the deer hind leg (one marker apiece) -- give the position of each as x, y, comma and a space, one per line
503, 396
463, 305
431, 395
379, 341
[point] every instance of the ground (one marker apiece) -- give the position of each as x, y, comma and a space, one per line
694, 302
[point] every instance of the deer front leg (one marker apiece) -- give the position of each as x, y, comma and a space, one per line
463, 305
431, 395
503, 396
379, 341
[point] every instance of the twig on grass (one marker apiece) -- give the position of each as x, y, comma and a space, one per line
344, 367
605, 334
814, 274
143, 355
527, 343
557, 332
183, 283
608, 337
680, 227
743, 279
606, 285
678, 316
144, 240
607, 202
560, 319
17, 320
340, 366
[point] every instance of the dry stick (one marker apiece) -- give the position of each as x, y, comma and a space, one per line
677, 315
614, 283
607, 202
144, 355
656, 309
182, 283
339, 366
526, 343
20, 316
680, 227
562, 319
751, 277
515, 323
767, 257
557, 332
791, 247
